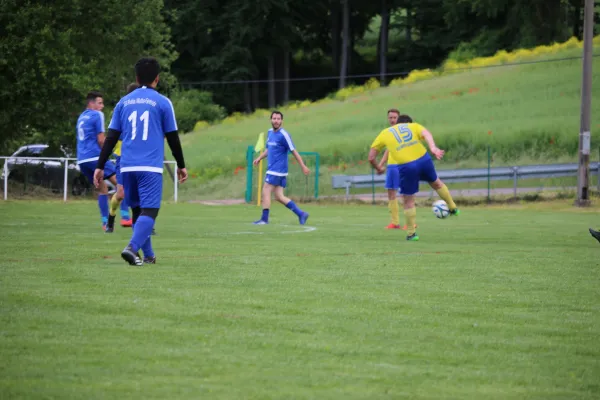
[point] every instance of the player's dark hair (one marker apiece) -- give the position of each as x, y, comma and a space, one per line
404, 119
277, 112
93, 95
131, 87
146, 70
394, 110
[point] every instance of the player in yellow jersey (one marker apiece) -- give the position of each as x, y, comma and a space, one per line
392, 183
413, 163
118, 199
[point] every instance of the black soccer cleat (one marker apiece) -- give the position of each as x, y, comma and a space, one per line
595, 234
413, 238
131, 257
110, 225
150, 260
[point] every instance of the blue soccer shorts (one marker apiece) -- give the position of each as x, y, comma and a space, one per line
392, 177
143, 189
411, 173
276, 180
89, 167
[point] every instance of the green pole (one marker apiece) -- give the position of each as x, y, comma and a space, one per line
489, 173
373, 184
249, 160
318, 161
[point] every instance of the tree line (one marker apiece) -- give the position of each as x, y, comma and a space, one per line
239, 54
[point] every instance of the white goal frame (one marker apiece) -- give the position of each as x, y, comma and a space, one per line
36, 160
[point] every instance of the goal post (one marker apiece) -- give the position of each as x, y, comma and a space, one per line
298, 185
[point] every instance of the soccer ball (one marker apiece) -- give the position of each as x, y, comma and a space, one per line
440, 209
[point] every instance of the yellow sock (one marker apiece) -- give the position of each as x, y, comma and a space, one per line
411, 220
394, 211
114, 205
444, 193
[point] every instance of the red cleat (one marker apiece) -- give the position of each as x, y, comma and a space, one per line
392, 226
126, 223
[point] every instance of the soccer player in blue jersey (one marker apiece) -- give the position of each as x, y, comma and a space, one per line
143, 119
279, 143
90, 139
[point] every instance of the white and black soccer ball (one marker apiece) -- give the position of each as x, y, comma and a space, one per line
440, 209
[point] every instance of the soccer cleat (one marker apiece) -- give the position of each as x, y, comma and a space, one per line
413, 237
260, 222
595, 234
392, 226
405, 227
150, 260
126, 223
455, 212
110, 224
131, 257
303, 218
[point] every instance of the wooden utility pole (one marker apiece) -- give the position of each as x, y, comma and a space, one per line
583, 175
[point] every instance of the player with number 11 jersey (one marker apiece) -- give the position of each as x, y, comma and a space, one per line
142, 120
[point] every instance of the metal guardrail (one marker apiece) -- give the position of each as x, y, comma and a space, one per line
473, 175
41, 160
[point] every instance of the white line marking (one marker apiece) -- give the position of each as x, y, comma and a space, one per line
304, 229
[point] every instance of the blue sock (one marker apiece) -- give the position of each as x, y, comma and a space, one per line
147, 248
124, 209
292, 206
141, 232
265, 215
103, 205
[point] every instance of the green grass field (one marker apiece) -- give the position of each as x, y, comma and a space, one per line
499, 303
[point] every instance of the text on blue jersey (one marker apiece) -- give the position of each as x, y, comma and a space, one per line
143, 117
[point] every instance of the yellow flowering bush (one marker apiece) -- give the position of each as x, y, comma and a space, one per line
504, 57
201, 125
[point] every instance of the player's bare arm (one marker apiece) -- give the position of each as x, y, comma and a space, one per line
373, 161
431, 143
298, 158
101, 138
260, 157
108, 144
384, 159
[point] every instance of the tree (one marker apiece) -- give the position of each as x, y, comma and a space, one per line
50, 58
345, 42
383, 40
